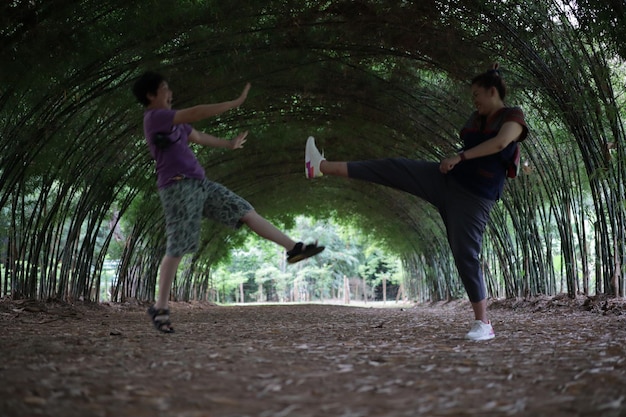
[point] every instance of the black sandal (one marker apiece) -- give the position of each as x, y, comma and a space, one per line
300, 252
161, 319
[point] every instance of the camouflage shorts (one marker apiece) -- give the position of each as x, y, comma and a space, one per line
187, 201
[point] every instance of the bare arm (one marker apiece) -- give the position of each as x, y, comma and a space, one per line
509, 132
204, 111
205, 139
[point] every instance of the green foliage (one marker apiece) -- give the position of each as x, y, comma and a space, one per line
260, 265
368, 79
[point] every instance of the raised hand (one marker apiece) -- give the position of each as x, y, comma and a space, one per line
239, 140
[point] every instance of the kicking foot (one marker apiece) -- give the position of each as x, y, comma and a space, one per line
300, 252
312, 159
161, 319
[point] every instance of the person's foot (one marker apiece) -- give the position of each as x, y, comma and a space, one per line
312, 159
301, 252
161, 319
480, 331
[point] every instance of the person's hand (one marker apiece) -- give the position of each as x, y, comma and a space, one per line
243, 96
447, 164
237, 142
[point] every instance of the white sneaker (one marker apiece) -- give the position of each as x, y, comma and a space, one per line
480, 331
312, 159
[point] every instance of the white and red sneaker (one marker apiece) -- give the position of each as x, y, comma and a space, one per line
480, 331
312, 159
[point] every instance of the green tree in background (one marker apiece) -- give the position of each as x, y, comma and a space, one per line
369, 79
259, 269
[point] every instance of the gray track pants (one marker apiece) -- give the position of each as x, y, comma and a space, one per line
464, 214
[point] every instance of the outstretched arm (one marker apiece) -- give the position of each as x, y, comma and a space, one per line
509, 132
205, 139
204, 111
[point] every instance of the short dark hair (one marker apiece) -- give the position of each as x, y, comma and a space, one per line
491, 78
148, 83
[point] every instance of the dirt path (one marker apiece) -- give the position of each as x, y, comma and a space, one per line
550, 358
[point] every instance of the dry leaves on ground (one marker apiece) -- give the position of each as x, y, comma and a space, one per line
551, 357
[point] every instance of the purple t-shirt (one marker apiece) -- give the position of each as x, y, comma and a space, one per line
176, 159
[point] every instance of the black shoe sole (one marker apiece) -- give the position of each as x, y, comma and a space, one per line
305, 254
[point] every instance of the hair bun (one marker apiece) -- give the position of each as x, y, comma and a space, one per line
494, 69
